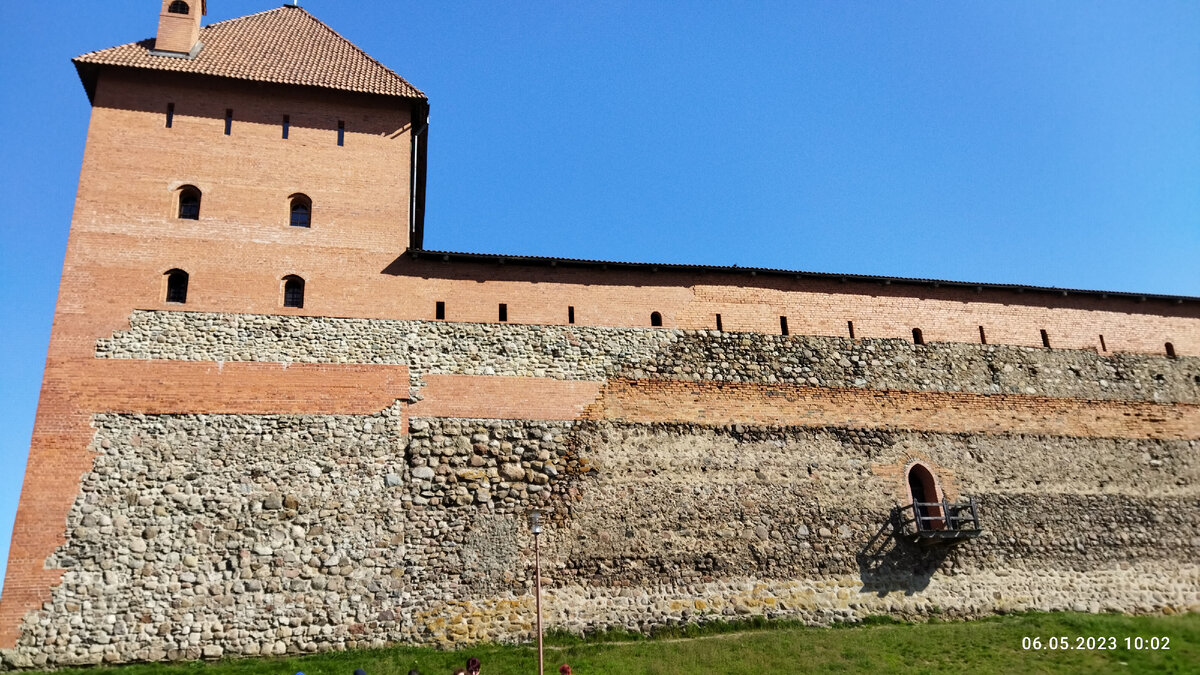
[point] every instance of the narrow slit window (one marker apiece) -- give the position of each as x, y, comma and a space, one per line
287, 126
228, 121
850, 327
170, 115
177, 286
1103, 347
341, 132
1045, 339
503, 312
189, 203
570, 314
655, 319
1170, 350
918, 337
982, 336
440, 311
301, 211
783, 327
720, 328
293, 292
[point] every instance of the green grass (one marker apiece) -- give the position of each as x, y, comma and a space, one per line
992, 645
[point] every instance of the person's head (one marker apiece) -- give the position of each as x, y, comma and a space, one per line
414, 671
359, 671
473, 666
564, 669
460, 671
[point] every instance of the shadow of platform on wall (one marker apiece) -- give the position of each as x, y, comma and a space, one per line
892, 562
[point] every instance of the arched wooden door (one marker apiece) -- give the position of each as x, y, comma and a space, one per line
923, 487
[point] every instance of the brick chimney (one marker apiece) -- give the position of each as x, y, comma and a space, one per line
179, 27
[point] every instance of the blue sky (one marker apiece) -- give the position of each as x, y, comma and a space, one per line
1039, 142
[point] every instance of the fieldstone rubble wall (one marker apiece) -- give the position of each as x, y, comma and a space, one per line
592, 353
209, 535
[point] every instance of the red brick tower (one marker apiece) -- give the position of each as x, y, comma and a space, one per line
260, 164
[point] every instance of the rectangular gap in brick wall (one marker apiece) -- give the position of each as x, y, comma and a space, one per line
850, 325
170, 115
341, 132
982, 336
783, 328
1045, 339
228, 121
719, 328
287, 126
440, 311
1103, 347
503, 312
918, 337
1170, 350
570, 315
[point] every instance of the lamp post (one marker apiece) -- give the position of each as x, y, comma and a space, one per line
535, 526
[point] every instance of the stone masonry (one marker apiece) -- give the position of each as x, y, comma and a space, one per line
201, 535
597, 353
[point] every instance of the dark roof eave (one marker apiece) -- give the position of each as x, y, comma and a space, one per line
87, 75
538, 261
88, 71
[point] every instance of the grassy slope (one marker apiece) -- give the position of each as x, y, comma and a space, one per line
984, 646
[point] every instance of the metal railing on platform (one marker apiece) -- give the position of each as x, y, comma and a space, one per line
947, 519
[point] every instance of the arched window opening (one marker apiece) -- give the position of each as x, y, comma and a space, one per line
918, 337
189, 202
293, 292
655, 319
925, 499
177, 286
1170, 350
178, 7
301, 211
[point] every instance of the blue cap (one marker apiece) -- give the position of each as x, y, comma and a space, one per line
359, 671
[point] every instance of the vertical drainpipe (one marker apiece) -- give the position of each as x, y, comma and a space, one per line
417, 170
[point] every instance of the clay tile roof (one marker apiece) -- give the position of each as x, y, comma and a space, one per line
286, 45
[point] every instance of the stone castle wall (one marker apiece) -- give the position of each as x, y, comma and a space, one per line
197, 535
598, 353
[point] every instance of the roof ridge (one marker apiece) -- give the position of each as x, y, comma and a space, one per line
348, 41
285, 45
251, 16
202, 29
